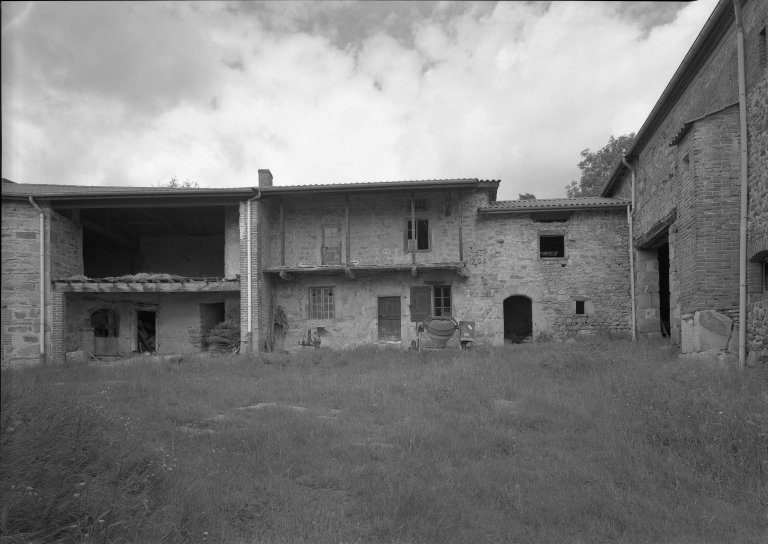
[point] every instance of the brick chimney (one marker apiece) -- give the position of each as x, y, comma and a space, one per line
265, 178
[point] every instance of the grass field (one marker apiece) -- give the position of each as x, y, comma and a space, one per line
590, 442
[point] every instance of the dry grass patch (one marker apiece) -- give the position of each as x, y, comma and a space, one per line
589, 442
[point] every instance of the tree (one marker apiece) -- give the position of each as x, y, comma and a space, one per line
597, 166
526, 196
174, 183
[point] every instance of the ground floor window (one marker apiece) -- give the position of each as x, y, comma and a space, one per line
443, 301
321, 303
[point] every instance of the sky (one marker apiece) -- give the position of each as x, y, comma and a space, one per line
136, 93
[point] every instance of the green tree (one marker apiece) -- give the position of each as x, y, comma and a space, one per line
526, 196
596, 167
174, 183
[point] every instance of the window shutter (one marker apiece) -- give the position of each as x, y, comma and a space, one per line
421, 302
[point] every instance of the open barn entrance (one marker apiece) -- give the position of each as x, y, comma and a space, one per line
518, 319
146, 331
664, 289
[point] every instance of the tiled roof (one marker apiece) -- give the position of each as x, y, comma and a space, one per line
554, 204
12, 188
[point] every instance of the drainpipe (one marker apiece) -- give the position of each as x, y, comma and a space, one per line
630, 212
250, 272
743, 226
42, 280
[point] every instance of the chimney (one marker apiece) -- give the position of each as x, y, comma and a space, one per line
265, 178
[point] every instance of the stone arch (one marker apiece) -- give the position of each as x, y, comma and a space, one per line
497, 325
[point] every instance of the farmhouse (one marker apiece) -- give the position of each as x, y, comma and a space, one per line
149, 269
675, 245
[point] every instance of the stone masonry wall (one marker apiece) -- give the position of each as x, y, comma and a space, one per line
377, 225
20, 285
178, 318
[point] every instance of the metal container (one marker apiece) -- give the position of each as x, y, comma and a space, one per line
467, 331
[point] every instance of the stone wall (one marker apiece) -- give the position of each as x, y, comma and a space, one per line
377, 225
178, 318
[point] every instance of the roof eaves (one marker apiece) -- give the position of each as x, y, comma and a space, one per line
713, 30
380, 186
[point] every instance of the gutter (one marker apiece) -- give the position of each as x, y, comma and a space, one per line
42, 280
744, 185
630, 213
250, 272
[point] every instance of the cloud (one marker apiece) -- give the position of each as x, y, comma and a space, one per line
329, 92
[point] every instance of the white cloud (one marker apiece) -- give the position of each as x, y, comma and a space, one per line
209, 92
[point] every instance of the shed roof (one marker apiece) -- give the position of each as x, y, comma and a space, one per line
553, 204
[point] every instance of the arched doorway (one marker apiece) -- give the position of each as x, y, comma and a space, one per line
518, 319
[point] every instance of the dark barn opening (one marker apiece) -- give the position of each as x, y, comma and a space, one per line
146, 331
518, 319
664, 289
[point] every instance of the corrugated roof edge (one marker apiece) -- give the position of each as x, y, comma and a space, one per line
378, 186
24, 190
559, 204
709, 32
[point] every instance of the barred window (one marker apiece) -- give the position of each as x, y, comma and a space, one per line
321, 305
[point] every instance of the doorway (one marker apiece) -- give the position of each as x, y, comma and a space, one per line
106, 332
518, 319
664, 289
211, 314
146, 331
389, 319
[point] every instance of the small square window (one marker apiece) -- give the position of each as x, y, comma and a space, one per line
421, 239
321, 303
421, 204
580, 307
551, 246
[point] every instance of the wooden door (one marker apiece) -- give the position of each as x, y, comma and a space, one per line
389, 319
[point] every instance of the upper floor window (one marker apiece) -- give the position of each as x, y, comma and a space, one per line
551, 246
331, 250
321, 303
418, 240
421, 204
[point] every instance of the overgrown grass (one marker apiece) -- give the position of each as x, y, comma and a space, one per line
601, 442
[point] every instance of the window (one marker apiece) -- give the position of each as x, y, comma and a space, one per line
421, 205
551, 246
421, 240
321, 305
443, 301
580, 307
331, 250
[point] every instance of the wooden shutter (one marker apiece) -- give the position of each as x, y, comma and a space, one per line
421, 302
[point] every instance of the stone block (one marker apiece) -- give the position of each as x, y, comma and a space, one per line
752, 359
644, 300
712, 330
648, 324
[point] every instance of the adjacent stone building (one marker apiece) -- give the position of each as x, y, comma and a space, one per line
686, 220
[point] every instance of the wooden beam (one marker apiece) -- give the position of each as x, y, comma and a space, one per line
461, 237
107, 234
131, 287
159, 218
288, 277
350, 273
124, 226
346, 210
282, 234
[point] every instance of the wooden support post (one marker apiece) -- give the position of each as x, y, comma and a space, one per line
346, 210
350, 273
282, 234
413, 233
461, 238
288, 277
